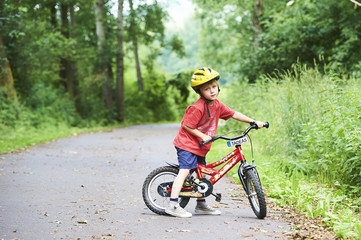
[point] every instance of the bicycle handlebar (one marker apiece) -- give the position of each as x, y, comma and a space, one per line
253, 126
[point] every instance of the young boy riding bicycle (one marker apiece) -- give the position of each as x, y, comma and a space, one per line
200, 122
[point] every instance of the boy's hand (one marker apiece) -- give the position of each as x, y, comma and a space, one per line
259, 124
197, 133
206, 138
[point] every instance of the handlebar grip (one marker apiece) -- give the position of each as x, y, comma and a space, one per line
213, 139
253, 124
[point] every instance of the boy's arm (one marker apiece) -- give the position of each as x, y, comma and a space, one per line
243, 118
197, 133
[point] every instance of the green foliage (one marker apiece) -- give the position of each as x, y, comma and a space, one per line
51, 106
332, 142
310, 154
176, 45
285, 188
308, 29
37, 46
226, 36
179, 91
148, 23
314, 118
9, 111
299, 30
175, 58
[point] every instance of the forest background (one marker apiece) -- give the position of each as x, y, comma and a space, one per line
72, 66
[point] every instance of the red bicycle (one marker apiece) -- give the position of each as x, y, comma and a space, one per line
158, 184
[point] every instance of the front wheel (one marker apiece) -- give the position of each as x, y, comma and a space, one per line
255, 193
153, 189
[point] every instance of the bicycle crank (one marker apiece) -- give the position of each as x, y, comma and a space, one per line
203, 186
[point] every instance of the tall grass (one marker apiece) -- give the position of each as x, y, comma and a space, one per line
315, 120
310, 155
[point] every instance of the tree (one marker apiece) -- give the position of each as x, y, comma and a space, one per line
68, 70
61, 55
6, 76
290, 32
102, 54
133, 34
257, 14
74, 88
119, 93
233, 20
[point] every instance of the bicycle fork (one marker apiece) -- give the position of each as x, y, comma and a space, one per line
243, 168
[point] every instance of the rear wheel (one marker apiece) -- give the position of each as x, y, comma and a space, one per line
255, 193
153, 195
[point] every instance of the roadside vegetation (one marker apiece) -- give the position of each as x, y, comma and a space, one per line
309, 158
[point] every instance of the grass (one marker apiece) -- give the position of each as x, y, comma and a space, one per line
291, 188
311, 154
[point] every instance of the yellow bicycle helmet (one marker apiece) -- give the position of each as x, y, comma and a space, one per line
202, 76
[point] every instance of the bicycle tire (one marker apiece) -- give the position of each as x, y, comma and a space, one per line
154, 201
255, 193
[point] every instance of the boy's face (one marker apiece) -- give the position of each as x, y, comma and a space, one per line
210, 90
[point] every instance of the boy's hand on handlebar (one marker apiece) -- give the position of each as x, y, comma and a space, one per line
206, 138
259, 124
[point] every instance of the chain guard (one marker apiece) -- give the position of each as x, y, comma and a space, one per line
203, 189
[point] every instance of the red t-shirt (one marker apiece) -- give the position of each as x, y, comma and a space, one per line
196, 116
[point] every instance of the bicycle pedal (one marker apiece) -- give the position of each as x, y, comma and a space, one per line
218, 197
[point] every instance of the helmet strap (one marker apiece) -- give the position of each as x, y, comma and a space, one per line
207, 102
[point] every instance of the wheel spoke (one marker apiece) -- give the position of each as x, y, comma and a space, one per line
155, 198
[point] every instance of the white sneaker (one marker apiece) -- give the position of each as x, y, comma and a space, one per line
177, 211
204, 208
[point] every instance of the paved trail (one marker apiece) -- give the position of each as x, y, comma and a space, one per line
89, 187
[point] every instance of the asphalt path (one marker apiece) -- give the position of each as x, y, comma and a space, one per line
90, 187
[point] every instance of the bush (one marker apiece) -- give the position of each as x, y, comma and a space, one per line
314, 119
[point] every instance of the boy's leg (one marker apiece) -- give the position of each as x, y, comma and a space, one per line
174, 208
202, 207
178, 182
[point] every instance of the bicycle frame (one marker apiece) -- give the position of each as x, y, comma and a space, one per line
231, 160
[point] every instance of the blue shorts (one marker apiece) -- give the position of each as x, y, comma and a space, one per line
188, 160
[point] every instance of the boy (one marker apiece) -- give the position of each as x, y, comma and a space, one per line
199, 123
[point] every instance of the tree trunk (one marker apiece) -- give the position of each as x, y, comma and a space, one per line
65, 72
100, 30
119, 94
257, 14
72, 64
53, 14
135, 46
6, 76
